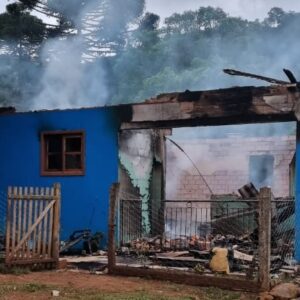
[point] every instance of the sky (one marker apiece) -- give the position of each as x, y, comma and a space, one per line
249, 9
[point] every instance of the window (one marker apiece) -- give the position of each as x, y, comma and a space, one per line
261, 169
62, 153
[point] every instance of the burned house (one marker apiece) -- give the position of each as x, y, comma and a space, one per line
196, 150
86, 150
224, 159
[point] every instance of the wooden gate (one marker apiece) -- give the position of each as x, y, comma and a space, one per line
32, 226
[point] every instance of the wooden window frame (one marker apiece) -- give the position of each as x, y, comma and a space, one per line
44, 154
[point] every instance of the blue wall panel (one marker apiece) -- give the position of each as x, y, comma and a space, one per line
84, 198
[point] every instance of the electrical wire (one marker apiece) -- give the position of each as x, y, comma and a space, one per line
189, 158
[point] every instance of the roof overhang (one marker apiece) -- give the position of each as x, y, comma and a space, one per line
237, 105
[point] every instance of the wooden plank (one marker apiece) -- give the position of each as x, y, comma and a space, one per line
179, 258
33, 261
173, 254
39, 234
219, 107
114, 194
245, 118
32, 197
8, 224
37, 222
20, 213
44, 245
24, 223
158, 111
30, 241
35, 212
189, 278
264, 238
13, 243
50, 234
242, 256
56, 222
19, 221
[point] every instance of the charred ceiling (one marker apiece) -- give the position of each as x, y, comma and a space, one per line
7, 110
238, 105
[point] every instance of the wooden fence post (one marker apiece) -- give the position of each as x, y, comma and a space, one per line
264, 237
113, 196
56, 221
8, 224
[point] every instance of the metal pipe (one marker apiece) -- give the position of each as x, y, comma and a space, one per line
189, 158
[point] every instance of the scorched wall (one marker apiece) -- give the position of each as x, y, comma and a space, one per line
225, 165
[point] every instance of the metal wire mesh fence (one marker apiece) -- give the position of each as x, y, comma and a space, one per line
196, 241
283, 244
193, 242
184, 234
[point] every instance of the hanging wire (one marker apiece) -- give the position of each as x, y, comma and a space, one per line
189, 158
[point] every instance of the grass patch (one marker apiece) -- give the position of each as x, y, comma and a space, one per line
212, 293
203, 294
34, 287
68, 293
6, 289
13, 270
122, 296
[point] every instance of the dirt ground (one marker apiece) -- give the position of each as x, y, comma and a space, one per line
78, 285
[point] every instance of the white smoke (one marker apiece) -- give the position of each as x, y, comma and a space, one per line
67, 82
74, 74
228, 148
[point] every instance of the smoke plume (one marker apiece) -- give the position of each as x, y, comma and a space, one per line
224, 155
74, 74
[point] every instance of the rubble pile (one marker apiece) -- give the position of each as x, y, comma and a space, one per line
195, 252
198, 254
246, 242
143, 245
227, 240
196, 242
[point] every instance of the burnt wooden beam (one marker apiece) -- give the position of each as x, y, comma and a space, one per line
113, 199
219, 107
242, 119
264, 238
228, 283
251, 75
7, 110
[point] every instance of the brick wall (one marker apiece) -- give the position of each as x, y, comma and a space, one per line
225, 165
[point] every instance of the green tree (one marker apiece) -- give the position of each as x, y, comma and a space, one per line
21, 37
21, 32
275, 17
192, 48
102, 24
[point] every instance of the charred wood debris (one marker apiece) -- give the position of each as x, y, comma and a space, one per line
223, 250
205, 255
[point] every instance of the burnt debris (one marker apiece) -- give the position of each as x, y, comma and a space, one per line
287, 72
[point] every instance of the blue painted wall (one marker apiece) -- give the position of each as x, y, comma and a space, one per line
84, 198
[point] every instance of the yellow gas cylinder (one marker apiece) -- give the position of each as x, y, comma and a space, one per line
219, 262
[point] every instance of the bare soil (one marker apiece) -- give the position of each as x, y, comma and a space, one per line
78, 285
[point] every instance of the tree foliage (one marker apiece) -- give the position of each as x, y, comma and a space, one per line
193, 47
140, 55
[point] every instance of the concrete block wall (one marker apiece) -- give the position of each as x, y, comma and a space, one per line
224, 164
